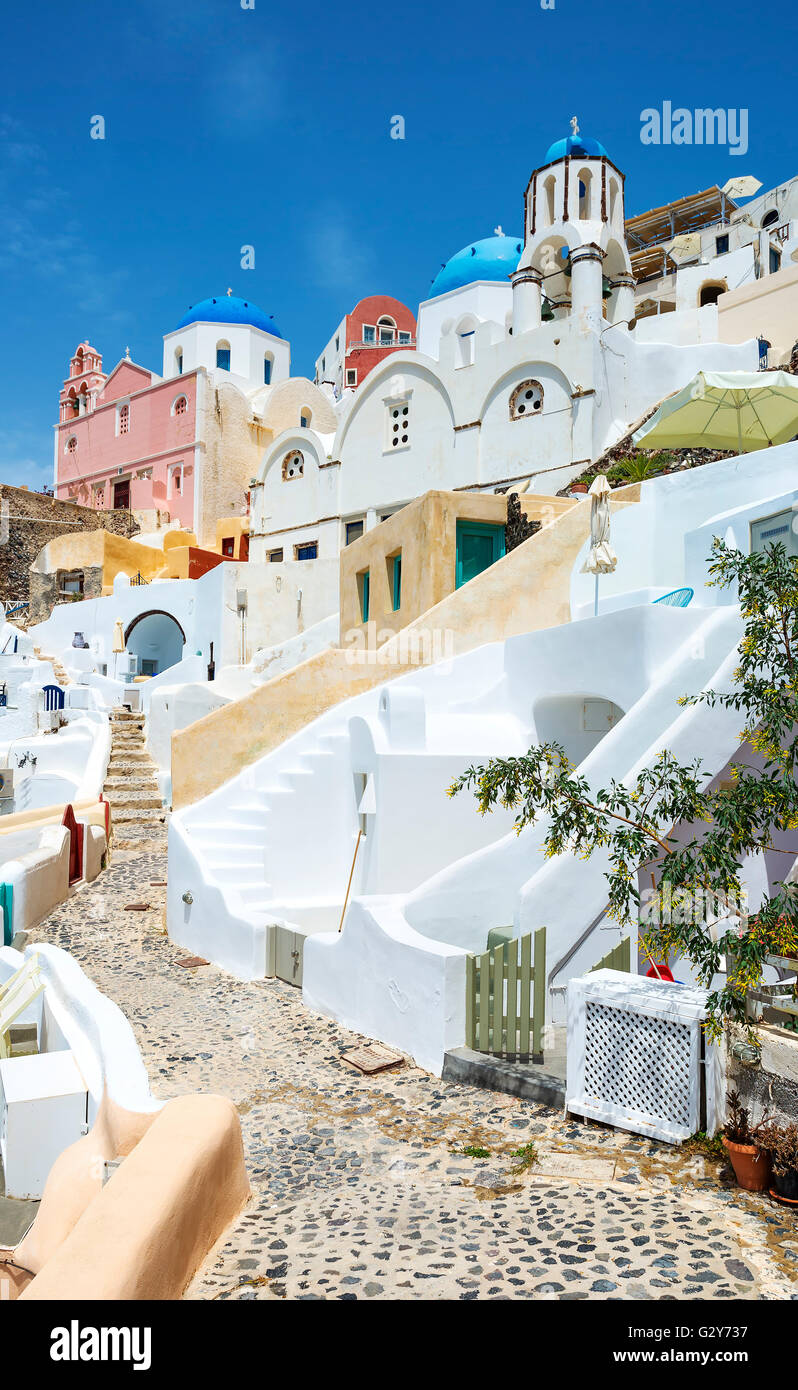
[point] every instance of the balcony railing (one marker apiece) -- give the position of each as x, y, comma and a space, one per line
361, 343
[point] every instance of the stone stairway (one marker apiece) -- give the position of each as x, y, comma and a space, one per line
60, 674
138, 816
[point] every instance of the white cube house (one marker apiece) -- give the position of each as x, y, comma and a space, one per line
43, 1108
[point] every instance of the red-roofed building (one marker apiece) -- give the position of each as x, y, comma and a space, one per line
376, 327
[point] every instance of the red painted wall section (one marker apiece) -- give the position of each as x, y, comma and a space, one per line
370, 311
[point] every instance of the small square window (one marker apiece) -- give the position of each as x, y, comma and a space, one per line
369, 333
275, 557
309, 551
229, 547
354, 530
351, 376
721, 244
404, 337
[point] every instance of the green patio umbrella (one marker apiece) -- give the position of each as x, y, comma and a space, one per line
726, 410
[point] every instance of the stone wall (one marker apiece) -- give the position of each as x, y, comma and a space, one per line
769, 1084
29, 520
45, 591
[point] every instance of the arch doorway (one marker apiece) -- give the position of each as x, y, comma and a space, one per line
157, 639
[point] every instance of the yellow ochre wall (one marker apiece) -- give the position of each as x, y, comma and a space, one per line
425, 532
527, 590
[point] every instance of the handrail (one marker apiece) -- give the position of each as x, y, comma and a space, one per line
571, 952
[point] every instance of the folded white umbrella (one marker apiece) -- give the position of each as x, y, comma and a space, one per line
726, 410
601, 558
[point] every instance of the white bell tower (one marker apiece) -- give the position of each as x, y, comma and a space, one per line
575, 260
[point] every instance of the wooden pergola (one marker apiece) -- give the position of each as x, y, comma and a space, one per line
647, 233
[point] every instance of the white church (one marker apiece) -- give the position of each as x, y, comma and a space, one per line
528, 367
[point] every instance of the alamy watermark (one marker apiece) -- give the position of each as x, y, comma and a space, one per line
703, 126
369, 645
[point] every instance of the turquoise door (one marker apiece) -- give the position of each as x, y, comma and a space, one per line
478, 546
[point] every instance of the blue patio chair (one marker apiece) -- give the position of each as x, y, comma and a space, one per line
53, 697
677, 598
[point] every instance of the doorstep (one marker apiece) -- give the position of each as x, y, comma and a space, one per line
543, 1082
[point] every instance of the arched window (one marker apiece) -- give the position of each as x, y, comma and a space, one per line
305, 417
223, 355
124, 419
267, 368
71, 445
178, 361
771, 218
710, 292
548, 191
585, 196
386, 329
293, 465
180, 406
613, 199
526, 399
465, 341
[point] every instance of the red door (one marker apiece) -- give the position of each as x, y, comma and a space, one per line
75, 845
122, 494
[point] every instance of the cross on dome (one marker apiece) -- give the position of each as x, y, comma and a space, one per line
229, 292
574, 125
497, 231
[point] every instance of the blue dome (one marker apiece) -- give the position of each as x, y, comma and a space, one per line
492, 259
575, 147
228, 308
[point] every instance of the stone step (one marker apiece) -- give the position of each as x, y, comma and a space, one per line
133, 755
128, 800
131, 781
140, 814
146, 839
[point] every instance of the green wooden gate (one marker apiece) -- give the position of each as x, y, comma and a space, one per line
619, 958
506, 998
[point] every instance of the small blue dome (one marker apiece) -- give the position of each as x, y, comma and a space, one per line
228, 308
495, 258
575, 147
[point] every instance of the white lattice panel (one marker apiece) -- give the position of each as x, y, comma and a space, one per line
634, 1054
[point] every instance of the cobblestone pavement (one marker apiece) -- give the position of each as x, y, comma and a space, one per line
362, 1187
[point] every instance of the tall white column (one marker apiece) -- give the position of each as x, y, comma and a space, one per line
586, 279
526, 300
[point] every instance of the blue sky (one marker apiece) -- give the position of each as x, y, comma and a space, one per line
271, 127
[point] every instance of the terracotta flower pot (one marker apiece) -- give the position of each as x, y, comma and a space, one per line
579, 487
751, 1165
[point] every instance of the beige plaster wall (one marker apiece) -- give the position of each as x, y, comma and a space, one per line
288, 398
527, 590
98, 550
146, 1232
768, 307
233, 448
425, 532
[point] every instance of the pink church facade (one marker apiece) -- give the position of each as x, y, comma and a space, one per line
128, 439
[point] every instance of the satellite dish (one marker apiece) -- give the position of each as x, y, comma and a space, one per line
744, 186
685, 247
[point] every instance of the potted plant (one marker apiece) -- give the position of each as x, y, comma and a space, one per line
781, 1143
578, 487
743, 1143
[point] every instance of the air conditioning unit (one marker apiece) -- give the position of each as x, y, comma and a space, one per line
637, 1057
6, 783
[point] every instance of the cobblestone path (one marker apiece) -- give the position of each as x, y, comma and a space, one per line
362, 1187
